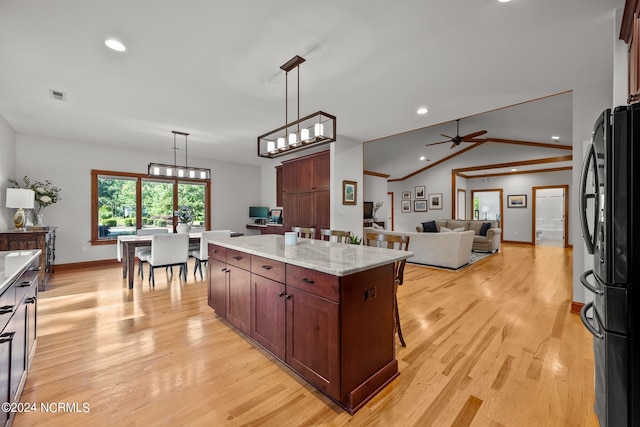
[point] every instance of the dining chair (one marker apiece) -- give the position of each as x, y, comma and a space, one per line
340, 236
399, 242
168, 250
146, 249
305, 232
202, 253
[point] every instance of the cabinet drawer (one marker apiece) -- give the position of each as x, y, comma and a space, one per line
218, 252
23, 284
316, 283
239, 259
7, 306
268, 268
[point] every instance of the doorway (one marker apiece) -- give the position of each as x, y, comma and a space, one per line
390, 214
550, 225
487, 204
461, 207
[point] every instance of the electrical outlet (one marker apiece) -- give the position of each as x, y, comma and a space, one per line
83, 250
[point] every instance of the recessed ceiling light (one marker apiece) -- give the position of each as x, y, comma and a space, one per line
555, 138
115, 45
422, 111
513, 170
504, 1
422, 158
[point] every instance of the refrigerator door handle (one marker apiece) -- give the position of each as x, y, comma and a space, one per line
590, 159
586, 284
587, 324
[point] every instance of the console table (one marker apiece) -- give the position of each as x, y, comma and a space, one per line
45, 240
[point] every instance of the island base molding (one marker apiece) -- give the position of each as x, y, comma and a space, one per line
358, 397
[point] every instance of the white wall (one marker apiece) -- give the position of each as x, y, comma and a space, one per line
346, 164
68, 165
7, 170
375, 190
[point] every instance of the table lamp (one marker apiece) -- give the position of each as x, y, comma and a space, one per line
20, 199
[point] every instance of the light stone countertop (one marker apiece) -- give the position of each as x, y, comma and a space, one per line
13, 264
338, 259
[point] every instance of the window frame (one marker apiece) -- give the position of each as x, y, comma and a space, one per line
96, 173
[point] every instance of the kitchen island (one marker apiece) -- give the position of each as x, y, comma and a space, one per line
324, 309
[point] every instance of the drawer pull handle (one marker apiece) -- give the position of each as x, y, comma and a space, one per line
267, 267
311, 282
215, 251
224, 270
237, 258
31, 300
24, 284
280, 294
287, 296
6, 337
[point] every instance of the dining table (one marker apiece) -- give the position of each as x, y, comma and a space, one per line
126, 250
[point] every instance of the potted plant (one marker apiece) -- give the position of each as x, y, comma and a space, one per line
185, 218
355, 240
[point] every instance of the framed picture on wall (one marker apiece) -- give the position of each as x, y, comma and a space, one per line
406, 195
405, 206
349, 192
420, 205
517, 201
435, 201
420, 192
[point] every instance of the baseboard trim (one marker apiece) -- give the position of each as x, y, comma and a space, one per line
87, 264
576, 307
511, 242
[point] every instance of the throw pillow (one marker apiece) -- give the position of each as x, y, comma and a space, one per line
458, 230
485, 227
445, 230
429, 227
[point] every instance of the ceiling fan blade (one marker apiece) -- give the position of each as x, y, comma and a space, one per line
476, 140
453, 146
446, 136
473, 135
436, 143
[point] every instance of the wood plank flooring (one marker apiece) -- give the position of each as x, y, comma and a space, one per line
494, 345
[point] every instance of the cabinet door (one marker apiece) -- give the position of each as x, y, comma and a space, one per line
5, 373
278, 185
306, 210
267, 325
239, 298
323, 172
289, 211
31, 303
306, 174
218, 286
322, 200
290, 177
18, 324
313, 343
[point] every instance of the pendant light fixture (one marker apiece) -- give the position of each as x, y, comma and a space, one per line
175, 171
310, 131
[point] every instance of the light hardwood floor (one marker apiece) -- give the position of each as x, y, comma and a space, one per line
493, 345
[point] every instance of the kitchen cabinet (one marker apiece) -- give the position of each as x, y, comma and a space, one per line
306, 192
336, 331
630, 33
18, 324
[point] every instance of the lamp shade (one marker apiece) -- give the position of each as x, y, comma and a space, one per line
20, 198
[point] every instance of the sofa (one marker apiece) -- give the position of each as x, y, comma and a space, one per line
489, 241
448, 250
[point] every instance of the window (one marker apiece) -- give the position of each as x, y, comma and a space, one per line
123, 202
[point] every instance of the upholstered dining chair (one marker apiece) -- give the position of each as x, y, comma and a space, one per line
146, 250
305, 232
340, 236
168, 250
399, 242
202, 253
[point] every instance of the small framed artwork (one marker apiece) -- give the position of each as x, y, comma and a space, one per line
405, 206
420, 205
406, 195
349, 192
420, 192
517, 201
435, 201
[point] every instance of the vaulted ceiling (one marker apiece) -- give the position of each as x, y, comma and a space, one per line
212, 68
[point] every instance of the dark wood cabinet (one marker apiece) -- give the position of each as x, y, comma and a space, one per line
630, 33
268, 324
306, 201
279, 186
18, 337
45, 240
239, 298
336, 332
217, 295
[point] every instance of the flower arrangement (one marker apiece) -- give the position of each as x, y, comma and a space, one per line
46, 193
184, 214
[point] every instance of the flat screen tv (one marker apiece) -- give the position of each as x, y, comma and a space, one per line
368, 210
258, 212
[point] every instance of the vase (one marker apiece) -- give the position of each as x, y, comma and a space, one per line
183, 228
39, 217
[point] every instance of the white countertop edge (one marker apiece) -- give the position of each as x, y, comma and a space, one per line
382, 256
25, 262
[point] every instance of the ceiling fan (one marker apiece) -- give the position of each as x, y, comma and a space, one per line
456, 140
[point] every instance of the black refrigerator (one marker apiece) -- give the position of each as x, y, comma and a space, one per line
610, 218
